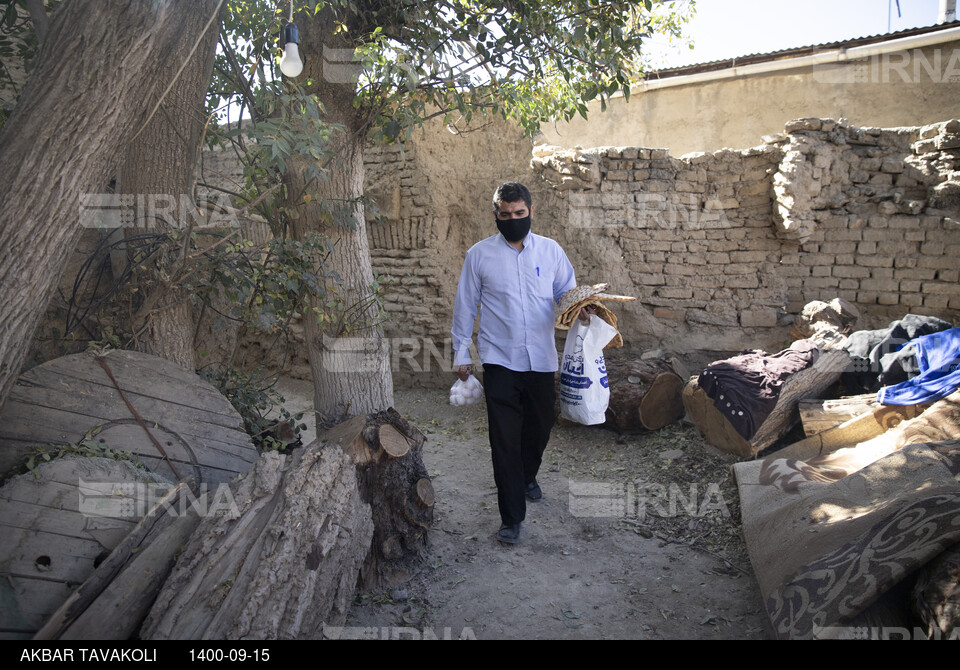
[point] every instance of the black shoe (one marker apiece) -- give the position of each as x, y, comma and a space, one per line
534, 494
509, 534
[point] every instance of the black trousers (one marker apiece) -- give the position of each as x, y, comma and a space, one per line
520, 413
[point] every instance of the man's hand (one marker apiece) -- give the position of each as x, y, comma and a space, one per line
463, 372
586, 312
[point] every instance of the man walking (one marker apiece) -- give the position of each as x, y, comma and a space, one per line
517, 277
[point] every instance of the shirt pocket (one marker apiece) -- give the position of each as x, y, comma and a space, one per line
540, 282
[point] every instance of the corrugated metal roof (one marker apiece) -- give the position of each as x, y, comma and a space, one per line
794, 52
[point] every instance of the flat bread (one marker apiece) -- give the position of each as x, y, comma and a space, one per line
574, 299
574, 311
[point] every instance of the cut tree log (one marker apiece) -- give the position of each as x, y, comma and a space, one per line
822, 323
387, 450
810, 382
644, 394
393, 441
282, 566
425, 494
807, 383
398, 489
348, 436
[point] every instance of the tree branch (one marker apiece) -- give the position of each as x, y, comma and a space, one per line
41, 22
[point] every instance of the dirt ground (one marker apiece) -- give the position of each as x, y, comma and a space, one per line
637, 537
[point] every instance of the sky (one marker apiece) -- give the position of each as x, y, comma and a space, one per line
723, 29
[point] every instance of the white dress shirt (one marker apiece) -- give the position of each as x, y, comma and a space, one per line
517, 292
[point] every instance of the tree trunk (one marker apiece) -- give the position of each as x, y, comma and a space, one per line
811, 382
349, 359
387, 450
159, 167
281, 564
98, 75
644, 395
401, 497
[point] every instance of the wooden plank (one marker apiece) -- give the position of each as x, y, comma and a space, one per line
48, 425
52, 534
860, 428
58, 495
207, 476
53, 427
86, 612
121, 608
49, 555
136, 373
25, 427
58, 386
818, 415
26, 516
59, 401
186, 448
139, 364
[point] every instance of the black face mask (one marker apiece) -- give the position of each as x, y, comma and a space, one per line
514, 230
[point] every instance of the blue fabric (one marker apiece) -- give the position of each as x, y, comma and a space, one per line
517, 293
938, 364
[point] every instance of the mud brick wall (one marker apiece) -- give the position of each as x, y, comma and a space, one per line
403, 243
723, 249
876, 213
696, 244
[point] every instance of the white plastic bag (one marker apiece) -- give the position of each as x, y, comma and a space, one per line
584, 389
466, 392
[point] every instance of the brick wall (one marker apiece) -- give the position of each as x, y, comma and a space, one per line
723, 249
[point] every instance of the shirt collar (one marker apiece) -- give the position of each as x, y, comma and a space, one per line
527, 241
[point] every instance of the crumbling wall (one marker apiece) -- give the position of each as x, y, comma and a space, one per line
692, 238
724, 248
880, 221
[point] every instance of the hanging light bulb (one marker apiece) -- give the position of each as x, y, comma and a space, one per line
290, 64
